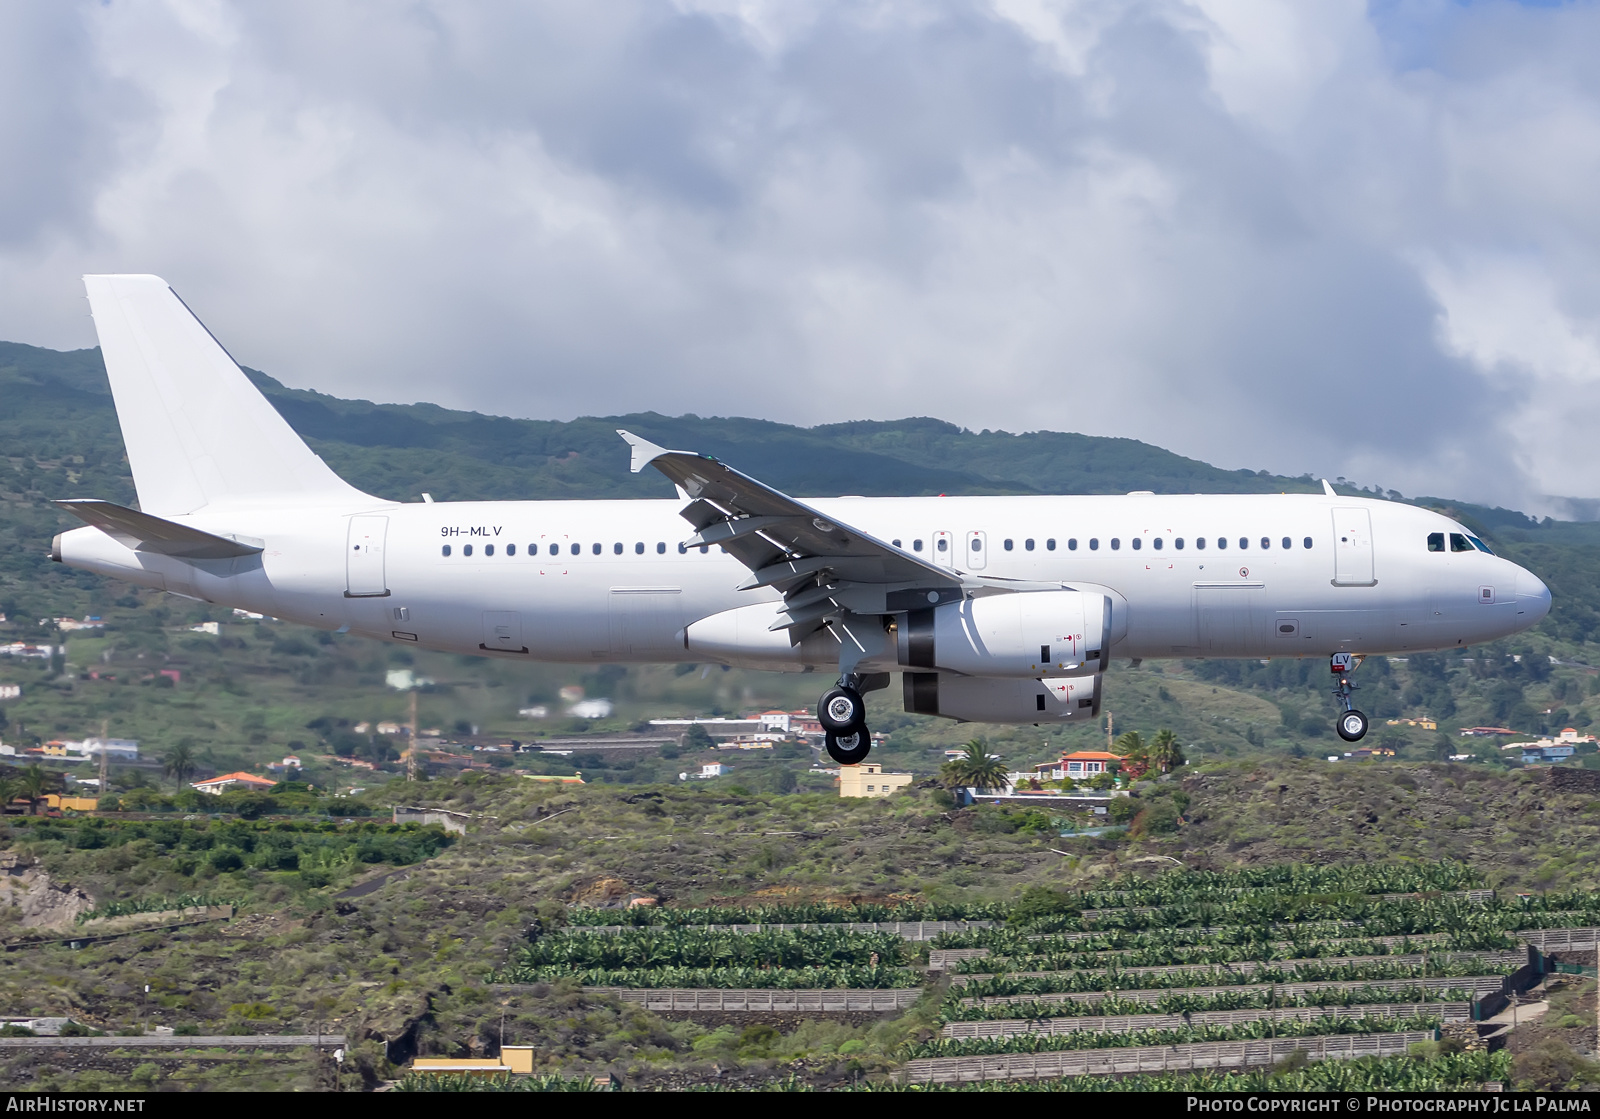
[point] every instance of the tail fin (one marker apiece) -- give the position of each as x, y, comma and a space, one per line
197, 431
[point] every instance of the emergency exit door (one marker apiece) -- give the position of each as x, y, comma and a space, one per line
363, 558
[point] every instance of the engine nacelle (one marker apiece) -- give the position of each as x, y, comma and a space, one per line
1032, 634
975, 700
744, 637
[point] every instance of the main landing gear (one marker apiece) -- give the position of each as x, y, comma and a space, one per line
843, 715
1351, 724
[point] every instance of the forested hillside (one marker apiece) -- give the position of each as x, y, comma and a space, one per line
61, 438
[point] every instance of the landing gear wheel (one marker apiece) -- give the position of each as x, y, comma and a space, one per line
1352, 726
841, 710
849, 747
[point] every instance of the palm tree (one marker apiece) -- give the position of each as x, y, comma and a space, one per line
1166, 751
975, 767
1135, 753
179, 764
35, 783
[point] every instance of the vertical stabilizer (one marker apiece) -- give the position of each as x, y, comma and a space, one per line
198, 433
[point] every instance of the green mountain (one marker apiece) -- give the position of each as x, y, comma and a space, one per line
60, 438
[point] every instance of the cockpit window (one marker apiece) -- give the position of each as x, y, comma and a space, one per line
1480, 545
1435, 541
1459, 543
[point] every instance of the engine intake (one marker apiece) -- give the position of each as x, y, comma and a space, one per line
1034, 634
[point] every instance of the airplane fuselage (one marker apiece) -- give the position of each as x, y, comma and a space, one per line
608, 581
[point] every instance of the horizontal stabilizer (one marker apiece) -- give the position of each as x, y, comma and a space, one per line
144, 533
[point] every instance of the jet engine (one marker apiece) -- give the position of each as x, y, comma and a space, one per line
1033, 634
975, 700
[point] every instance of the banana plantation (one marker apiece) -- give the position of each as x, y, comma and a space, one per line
1375, 973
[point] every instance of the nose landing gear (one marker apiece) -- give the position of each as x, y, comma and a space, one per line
1351, 724
843, 715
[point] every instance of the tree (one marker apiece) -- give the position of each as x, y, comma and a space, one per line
975, 767
1165, 751
1135, 754
10, 789
35, 783
179, 764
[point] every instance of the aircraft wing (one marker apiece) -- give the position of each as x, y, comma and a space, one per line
821, 566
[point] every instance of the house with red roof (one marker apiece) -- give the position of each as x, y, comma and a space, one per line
219, 785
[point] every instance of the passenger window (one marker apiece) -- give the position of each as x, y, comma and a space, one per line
638, 549
595, 548
616, 549
1072, 543
466, 549
1028, 544
1116, 544
916, 545
1137, 543
682, 551
1178, 543
1435, 541
1266, 543
1287, 543
1244, 543
896, 543
1307, 542
704, 548
1480, 545
445, 551
488, 549
1200, 542
1222, 543
1156, 543
1459, 543
511, 549
1050, 544
977, 544
944, 545
1009, 544
577, 548
1094, 543
661, 547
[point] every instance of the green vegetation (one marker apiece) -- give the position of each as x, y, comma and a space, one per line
1094, 1039
1180, 1002
1286, 857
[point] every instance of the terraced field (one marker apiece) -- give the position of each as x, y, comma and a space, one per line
1198, 975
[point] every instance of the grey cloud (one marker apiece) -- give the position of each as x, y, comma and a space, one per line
862, 211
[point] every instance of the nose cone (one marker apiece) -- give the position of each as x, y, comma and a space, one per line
1533, 598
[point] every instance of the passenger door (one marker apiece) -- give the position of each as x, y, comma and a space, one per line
1352, 548
942, 547
363, 558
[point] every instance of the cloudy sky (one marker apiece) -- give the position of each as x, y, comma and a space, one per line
1358, 239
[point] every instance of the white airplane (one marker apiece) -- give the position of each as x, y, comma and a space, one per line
994, 609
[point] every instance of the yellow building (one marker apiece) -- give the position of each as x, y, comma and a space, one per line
513, 1059
870, 780
71, 804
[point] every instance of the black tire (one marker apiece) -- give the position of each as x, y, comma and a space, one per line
840, 709
849, 747
1352, 726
